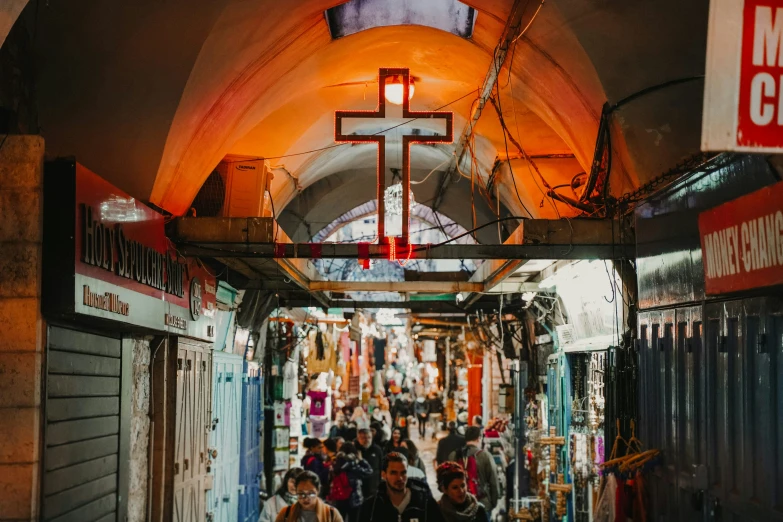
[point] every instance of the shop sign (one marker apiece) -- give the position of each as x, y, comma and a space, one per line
743, 95
113, 256
742, 242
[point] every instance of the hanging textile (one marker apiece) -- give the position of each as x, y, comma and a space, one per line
319, 346
605, 507
279, 411
379, 352
328, 357
319, 427
317, 403
295, 417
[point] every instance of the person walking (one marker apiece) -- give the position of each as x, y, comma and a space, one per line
373, 454
348, 472
284, 496
398, 498
479, 468
436, 413
308, 508
457, 504
393, 443
313, 460
451, 442
422, 410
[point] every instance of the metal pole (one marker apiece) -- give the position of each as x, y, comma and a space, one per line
447, 373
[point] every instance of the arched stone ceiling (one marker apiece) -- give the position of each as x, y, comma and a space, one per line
153, 96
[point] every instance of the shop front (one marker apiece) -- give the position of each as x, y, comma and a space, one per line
130, 327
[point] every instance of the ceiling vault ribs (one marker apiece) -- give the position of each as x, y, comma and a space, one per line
513, 25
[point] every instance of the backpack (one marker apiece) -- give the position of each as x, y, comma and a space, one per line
340, 488
471, 470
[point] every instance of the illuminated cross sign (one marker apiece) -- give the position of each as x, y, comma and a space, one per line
380, 140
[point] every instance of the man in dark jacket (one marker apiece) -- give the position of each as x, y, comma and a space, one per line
399, 499
373, 454
451, 442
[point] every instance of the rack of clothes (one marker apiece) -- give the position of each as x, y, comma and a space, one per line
623, 493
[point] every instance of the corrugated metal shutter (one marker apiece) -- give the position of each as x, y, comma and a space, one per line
82, 440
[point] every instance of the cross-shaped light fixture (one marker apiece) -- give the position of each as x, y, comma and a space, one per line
380, 139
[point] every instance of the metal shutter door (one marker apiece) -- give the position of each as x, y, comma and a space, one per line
82, 441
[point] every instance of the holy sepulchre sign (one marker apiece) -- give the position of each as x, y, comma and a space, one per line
106, 257
743, 92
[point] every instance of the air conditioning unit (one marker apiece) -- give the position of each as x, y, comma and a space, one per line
246, 188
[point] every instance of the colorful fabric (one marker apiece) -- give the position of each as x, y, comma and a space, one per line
317, 403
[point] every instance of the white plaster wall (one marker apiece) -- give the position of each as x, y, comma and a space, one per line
140, 431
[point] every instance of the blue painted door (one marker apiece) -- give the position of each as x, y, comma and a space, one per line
249, 444
223, 498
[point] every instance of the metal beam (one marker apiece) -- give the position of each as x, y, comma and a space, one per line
431, 287
448, 251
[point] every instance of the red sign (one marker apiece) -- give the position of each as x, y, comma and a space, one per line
743, 93
742, 242
760, 117
107, 256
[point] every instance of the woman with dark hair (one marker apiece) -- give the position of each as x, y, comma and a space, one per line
345, 492
284, 496
314, 460
414, 459
457, 504
393, 443
309, 507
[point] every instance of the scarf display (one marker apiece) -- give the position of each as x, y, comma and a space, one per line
289, 498
464, 513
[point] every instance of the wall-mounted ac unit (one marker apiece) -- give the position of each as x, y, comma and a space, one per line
246, 188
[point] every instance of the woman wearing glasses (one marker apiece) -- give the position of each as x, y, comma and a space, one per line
308, 508
284, 496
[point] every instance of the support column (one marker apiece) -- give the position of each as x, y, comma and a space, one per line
22, 333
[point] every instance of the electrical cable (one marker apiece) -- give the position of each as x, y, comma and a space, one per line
510, 168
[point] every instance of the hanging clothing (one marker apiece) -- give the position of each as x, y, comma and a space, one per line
639, 498
290, 379
605, 507
317, 403
321, 356
379, 352
279, 410
295, 417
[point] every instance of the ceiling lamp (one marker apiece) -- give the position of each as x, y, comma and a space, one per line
394, 90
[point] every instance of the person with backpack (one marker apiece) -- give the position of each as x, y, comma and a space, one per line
284, 496
308, 508
313, 460
345, 491
457, 504
479, 466
400, 499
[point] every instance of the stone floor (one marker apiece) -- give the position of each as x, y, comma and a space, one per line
427, 447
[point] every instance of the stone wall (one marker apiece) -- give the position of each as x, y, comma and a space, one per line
22, 333
140, 431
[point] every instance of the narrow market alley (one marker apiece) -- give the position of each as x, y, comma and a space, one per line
391, 261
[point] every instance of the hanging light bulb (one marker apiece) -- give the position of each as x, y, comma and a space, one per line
394, 89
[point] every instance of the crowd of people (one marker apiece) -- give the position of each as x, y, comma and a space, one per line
374, 479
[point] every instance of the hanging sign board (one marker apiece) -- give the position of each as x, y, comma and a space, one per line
742, 242
106, 256
743, 92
